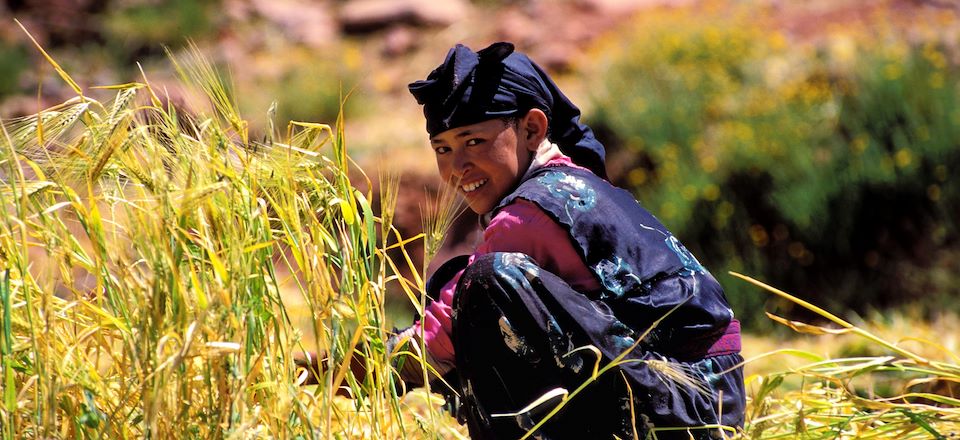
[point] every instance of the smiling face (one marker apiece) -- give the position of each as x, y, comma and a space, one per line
485, 160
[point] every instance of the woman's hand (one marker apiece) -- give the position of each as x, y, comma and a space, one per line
316, 366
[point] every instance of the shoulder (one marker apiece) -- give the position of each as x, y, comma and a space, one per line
557, 180
563, 192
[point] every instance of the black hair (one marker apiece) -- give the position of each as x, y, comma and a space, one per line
514, 122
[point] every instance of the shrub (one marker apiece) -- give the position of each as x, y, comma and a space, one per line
148, 25
817, 166
13, 61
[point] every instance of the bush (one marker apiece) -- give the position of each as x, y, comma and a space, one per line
820, 167
140, 25
13, 61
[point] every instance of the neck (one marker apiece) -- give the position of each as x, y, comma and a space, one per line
546, 152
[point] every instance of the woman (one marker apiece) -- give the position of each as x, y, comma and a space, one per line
570, 269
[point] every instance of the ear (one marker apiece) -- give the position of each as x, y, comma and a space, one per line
532, 128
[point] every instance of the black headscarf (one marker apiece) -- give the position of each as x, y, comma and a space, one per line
496, 82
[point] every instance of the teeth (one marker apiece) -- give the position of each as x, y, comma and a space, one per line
470, 187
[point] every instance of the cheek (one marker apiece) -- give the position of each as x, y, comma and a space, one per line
444, 168
505, 155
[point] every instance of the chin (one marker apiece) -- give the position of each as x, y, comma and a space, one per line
480, 209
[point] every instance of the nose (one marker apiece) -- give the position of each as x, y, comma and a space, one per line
461, 163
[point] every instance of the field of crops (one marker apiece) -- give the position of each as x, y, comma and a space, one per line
162, 265
148, 253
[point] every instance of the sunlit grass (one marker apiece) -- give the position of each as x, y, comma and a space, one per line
891, 392
148, 252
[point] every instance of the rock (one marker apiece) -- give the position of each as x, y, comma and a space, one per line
371, 15
307, 22
615, 7
556, 57
399, 40
516, 26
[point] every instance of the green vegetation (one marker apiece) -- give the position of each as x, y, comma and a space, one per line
824, 166
160, 265
154, 24
13, 61
304, 84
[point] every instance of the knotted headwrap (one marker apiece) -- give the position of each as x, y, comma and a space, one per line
496, 82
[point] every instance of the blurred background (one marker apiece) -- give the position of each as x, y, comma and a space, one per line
807, 143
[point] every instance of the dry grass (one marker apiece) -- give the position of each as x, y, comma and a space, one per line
148, 253
856, 384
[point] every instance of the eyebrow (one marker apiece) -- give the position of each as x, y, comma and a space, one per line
459, 135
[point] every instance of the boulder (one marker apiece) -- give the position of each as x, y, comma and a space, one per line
614, 7
399, 40
372, 15
301, 20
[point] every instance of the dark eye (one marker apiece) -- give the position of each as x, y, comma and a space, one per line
474, 141
441, 150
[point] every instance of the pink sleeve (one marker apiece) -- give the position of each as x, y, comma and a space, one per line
519, 227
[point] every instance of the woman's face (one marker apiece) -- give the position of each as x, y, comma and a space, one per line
484, 160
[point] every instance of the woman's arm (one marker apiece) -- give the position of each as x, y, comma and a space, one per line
315, 366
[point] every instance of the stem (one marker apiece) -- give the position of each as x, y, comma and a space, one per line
854, 329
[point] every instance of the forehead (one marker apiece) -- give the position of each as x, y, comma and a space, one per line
490, 126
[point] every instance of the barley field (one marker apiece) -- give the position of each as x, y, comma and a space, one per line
162, 267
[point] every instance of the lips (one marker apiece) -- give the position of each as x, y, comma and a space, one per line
473, 186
